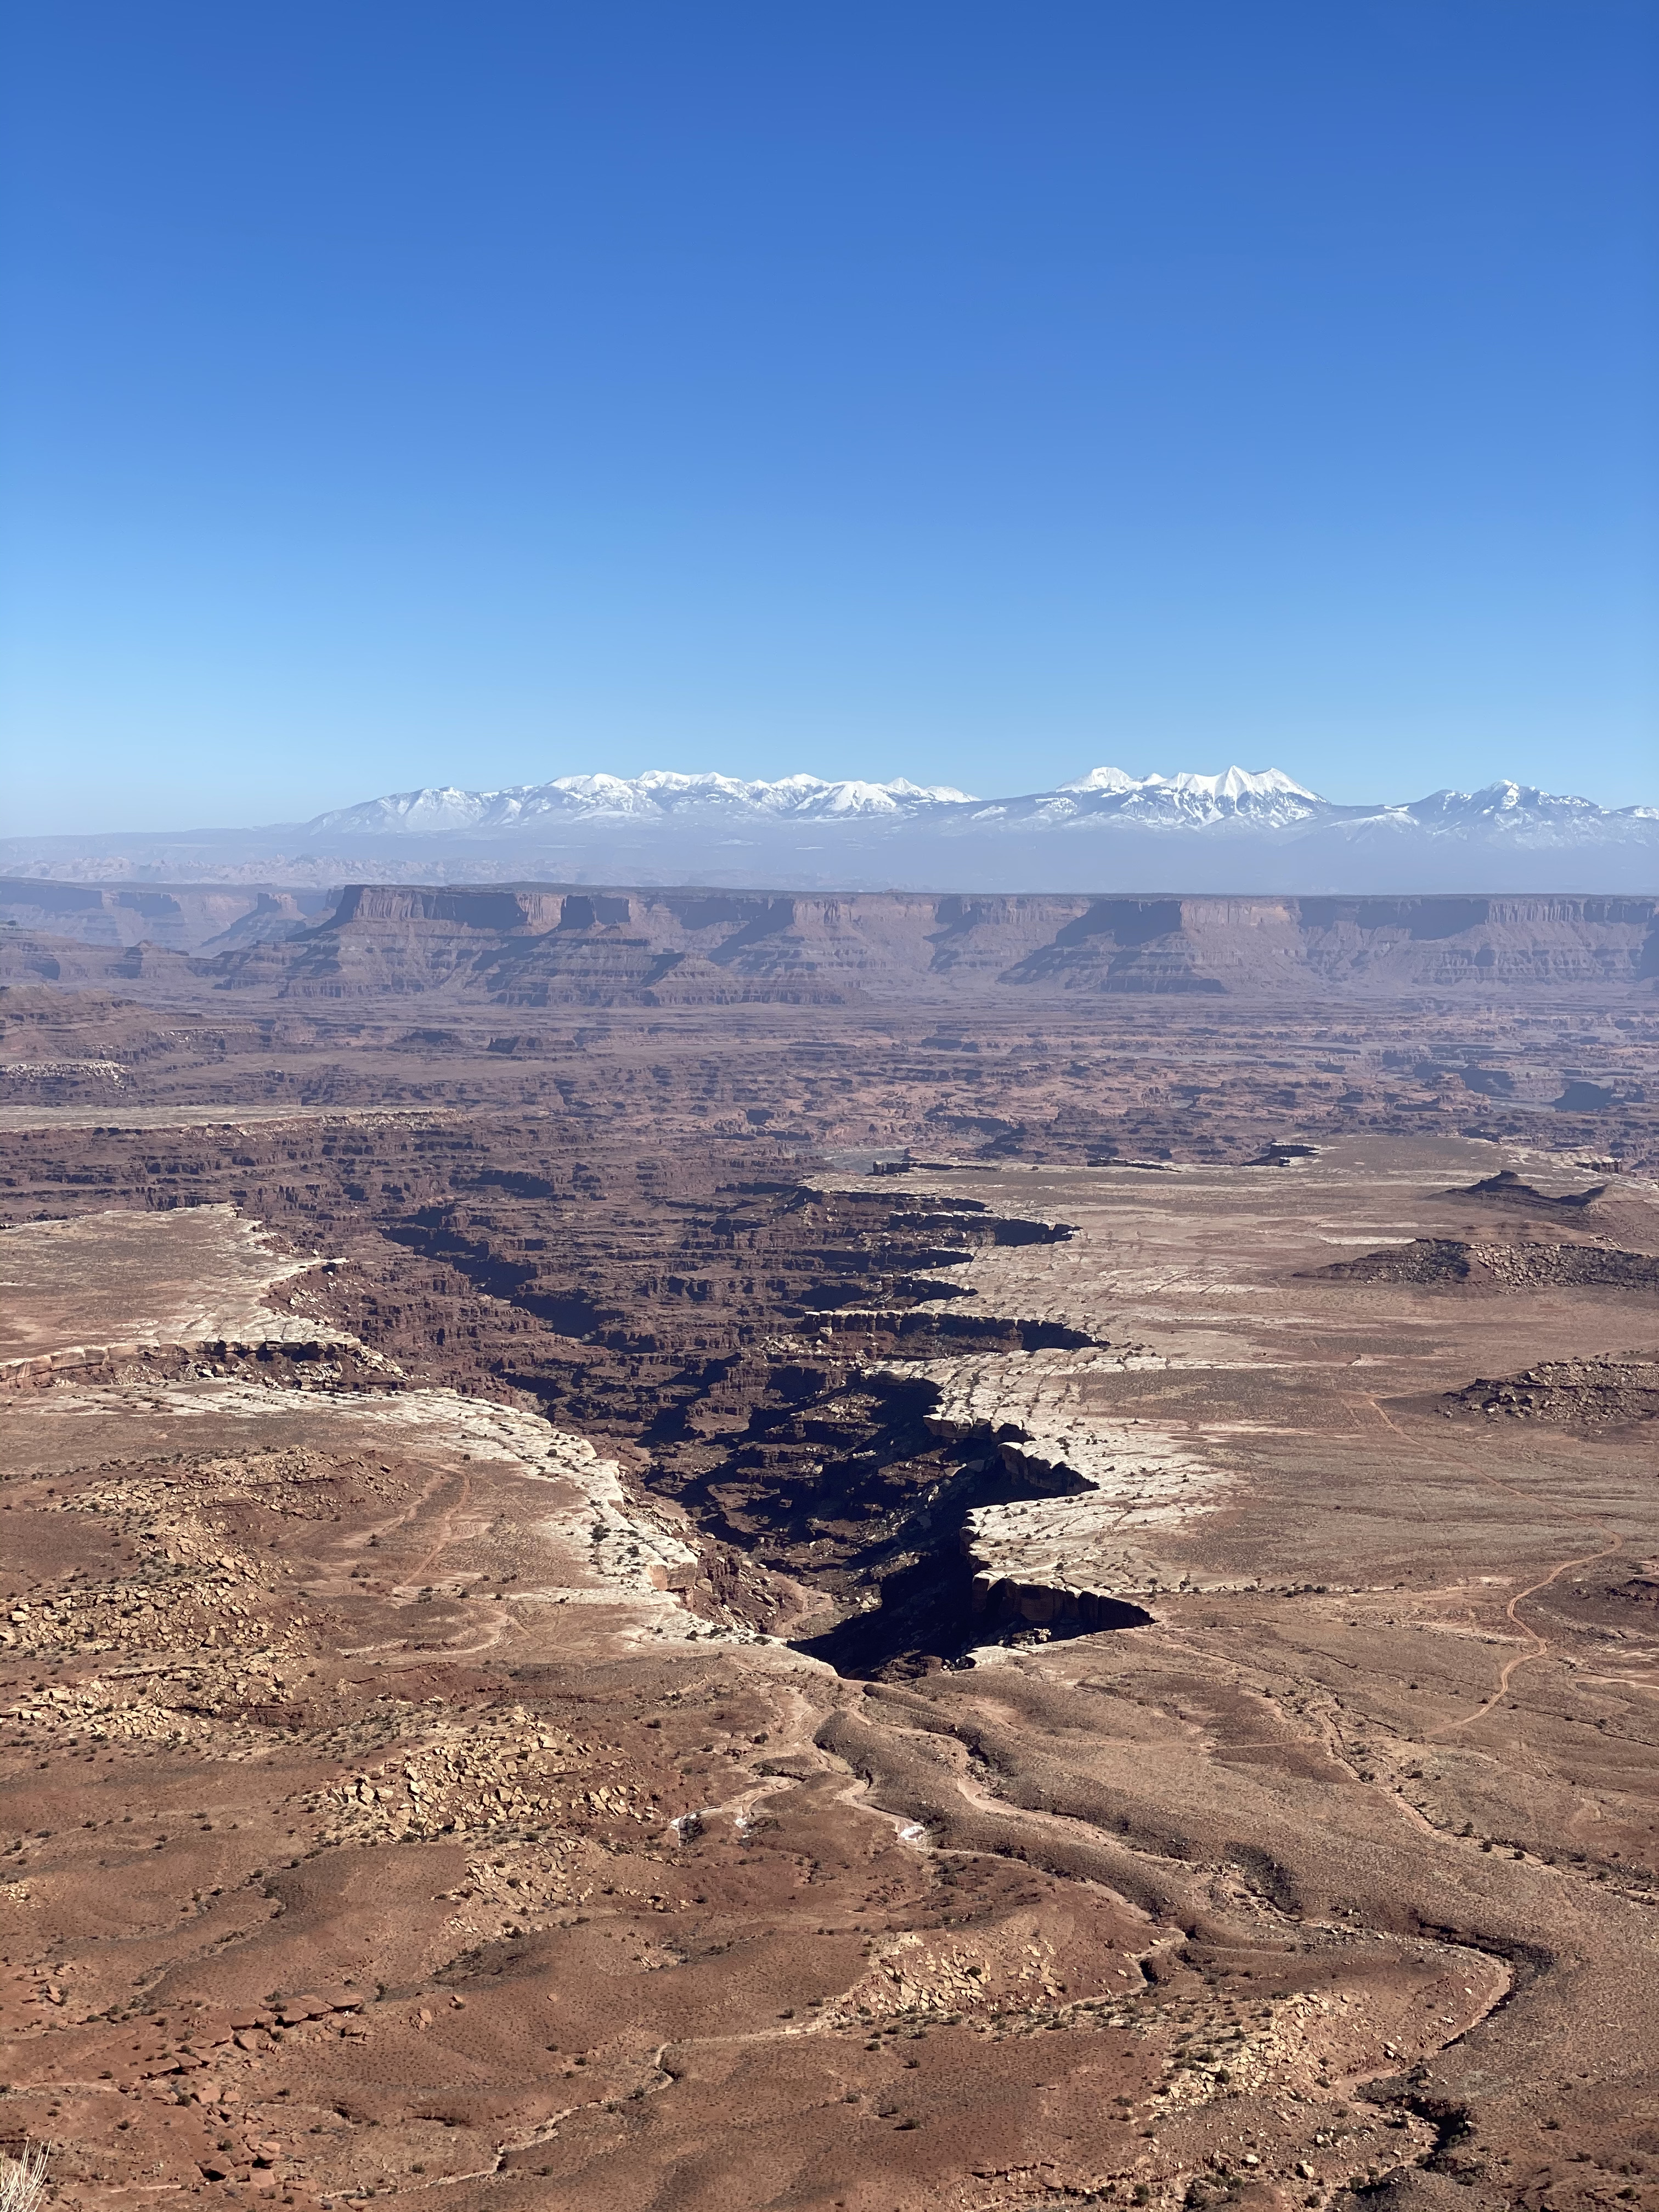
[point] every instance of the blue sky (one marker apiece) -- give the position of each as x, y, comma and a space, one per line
398, 394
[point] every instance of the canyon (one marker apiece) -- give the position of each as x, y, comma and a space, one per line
877, 1551
537, 944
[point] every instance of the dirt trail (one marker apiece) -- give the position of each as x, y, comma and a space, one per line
447, 1526
1541, 1644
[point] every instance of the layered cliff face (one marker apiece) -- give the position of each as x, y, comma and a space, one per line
534, 945
182, 917
869, 1582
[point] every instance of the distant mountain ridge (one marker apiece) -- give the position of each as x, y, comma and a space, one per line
1238, 829
1268, 797
658, 792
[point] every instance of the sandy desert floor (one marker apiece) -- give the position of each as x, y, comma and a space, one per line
793, 1607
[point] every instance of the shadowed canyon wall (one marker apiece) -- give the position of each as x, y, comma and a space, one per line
544, 944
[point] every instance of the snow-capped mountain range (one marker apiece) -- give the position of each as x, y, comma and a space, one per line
1107, 830
1266, 799
658, 793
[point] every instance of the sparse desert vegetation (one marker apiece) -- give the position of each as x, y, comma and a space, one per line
998, 1601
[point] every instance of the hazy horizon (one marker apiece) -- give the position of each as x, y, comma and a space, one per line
85, 829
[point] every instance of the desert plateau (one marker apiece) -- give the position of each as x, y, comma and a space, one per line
690, 1551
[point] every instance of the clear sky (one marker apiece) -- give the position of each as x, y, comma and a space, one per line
431, 392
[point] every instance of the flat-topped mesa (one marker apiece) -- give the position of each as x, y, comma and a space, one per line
687, 944
468, 906
530, 943
101, 1295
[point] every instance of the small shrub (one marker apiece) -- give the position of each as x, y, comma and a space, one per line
23, 2179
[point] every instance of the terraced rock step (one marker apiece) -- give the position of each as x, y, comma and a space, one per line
1574, 1393
844, 1582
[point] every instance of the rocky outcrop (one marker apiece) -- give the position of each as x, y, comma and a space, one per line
1445, 1261
543, 945
179, 917
1566, 1393
125, 1293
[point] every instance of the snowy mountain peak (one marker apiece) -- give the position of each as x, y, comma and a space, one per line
1237, 783
1505, 806
1229, 787
1104, 779
657, 793
1190, 827
1235, 830
1232, 799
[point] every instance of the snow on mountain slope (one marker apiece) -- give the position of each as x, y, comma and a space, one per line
1109, 779
1234, 787
1519, 807
1236, 830
659, 793
1267, 799
1237, 824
